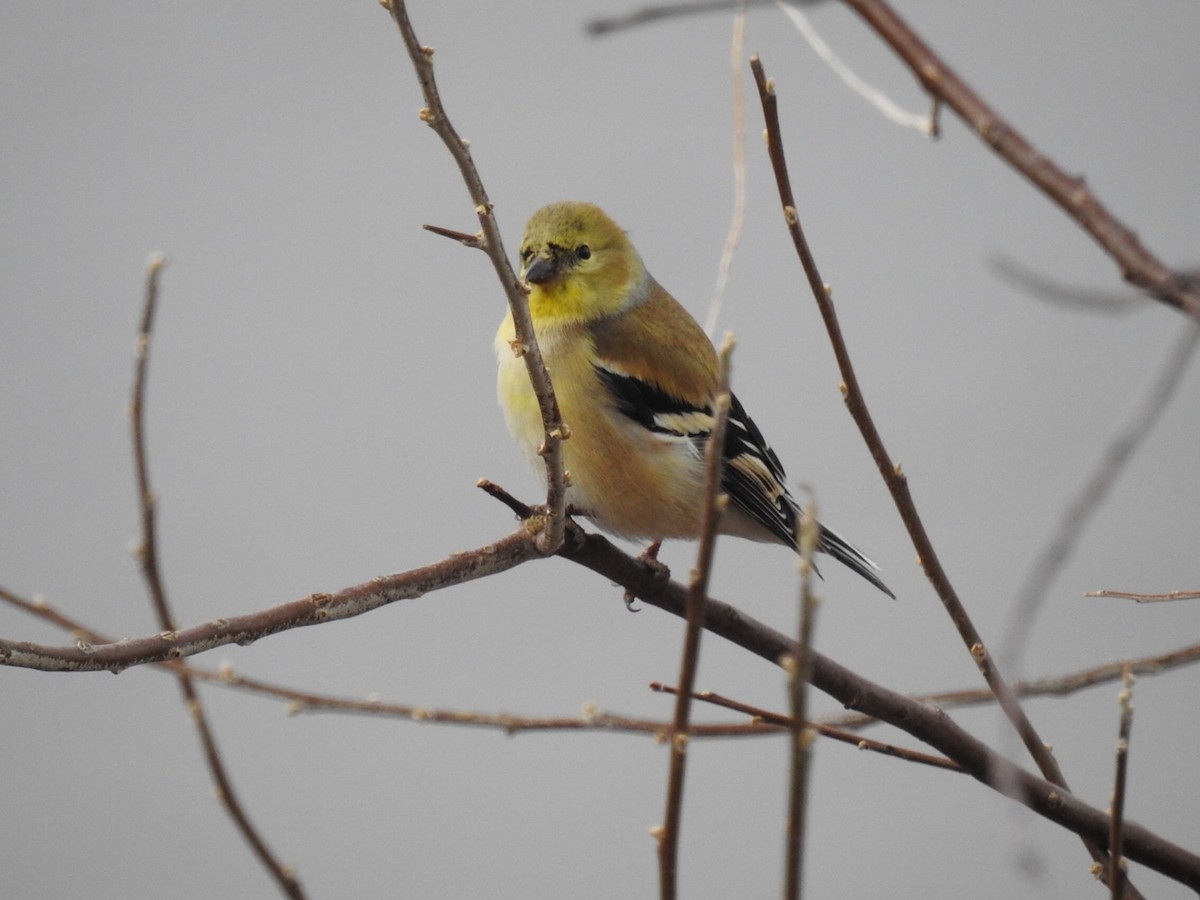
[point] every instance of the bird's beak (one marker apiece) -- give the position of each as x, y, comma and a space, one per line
541, 270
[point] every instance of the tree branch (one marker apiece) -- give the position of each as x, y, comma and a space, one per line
592, 551
1117, 879
85, 656
925, 723
714, 504
1081, 508
799, 669
555, 431
893, 476
1053, 686
1137, 264
1070, 193
147, 553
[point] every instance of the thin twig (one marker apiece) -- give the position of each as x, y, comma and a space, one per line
607, 24
772, 719
522, 510
738, 219
714, 503
799, 670
893, 476
147, 552
1117, 876
1068, 296
1146, 598
474, 241
926, 124
1082, 507
1051, 686
550, 538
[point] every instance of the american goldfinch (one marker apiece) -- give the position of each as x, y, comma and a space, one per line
636, 378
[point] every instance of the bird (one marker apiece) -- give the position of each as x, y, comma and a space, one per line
636, 380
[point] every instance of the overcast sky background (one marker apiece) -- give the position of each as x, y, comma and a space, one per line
322, 403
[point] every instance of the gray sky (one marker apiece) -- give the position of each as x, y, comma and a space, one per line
322, 404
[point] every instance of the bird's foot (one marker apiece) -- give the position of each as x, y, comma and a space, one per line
659, 570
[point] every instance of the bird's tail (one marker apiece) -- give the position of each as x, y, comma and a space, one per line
850, 556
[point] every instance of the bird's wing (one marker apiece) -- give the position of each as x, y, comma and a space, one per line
751, 473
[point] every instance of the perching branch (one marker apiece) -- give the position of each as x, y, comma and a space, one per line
929, 725
84, 656
646, 582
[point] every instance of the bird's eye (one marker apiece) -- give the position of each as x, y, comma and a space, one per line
583, 251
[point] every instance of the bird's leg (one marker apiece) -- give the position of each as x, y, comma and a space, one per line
649, 558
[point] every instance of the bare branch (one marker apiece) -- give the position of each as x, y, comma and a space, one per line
1117, 879
926, 124
85, 656
647, 583
1137, 264
762, 722
799, 669
714, 504
892, 474
300, 702
768, 719
1070, 193
1053, 686
925, 723
147, 552
1138, 425
434, 115
474, 241
738, 218
1068, 296
647, 14
1146, 598
522, 510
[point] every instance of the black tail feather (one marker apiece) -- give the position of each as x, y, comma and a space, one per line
848, 555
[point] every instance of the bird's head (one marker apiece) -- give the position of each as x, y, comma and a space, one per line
579, 264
